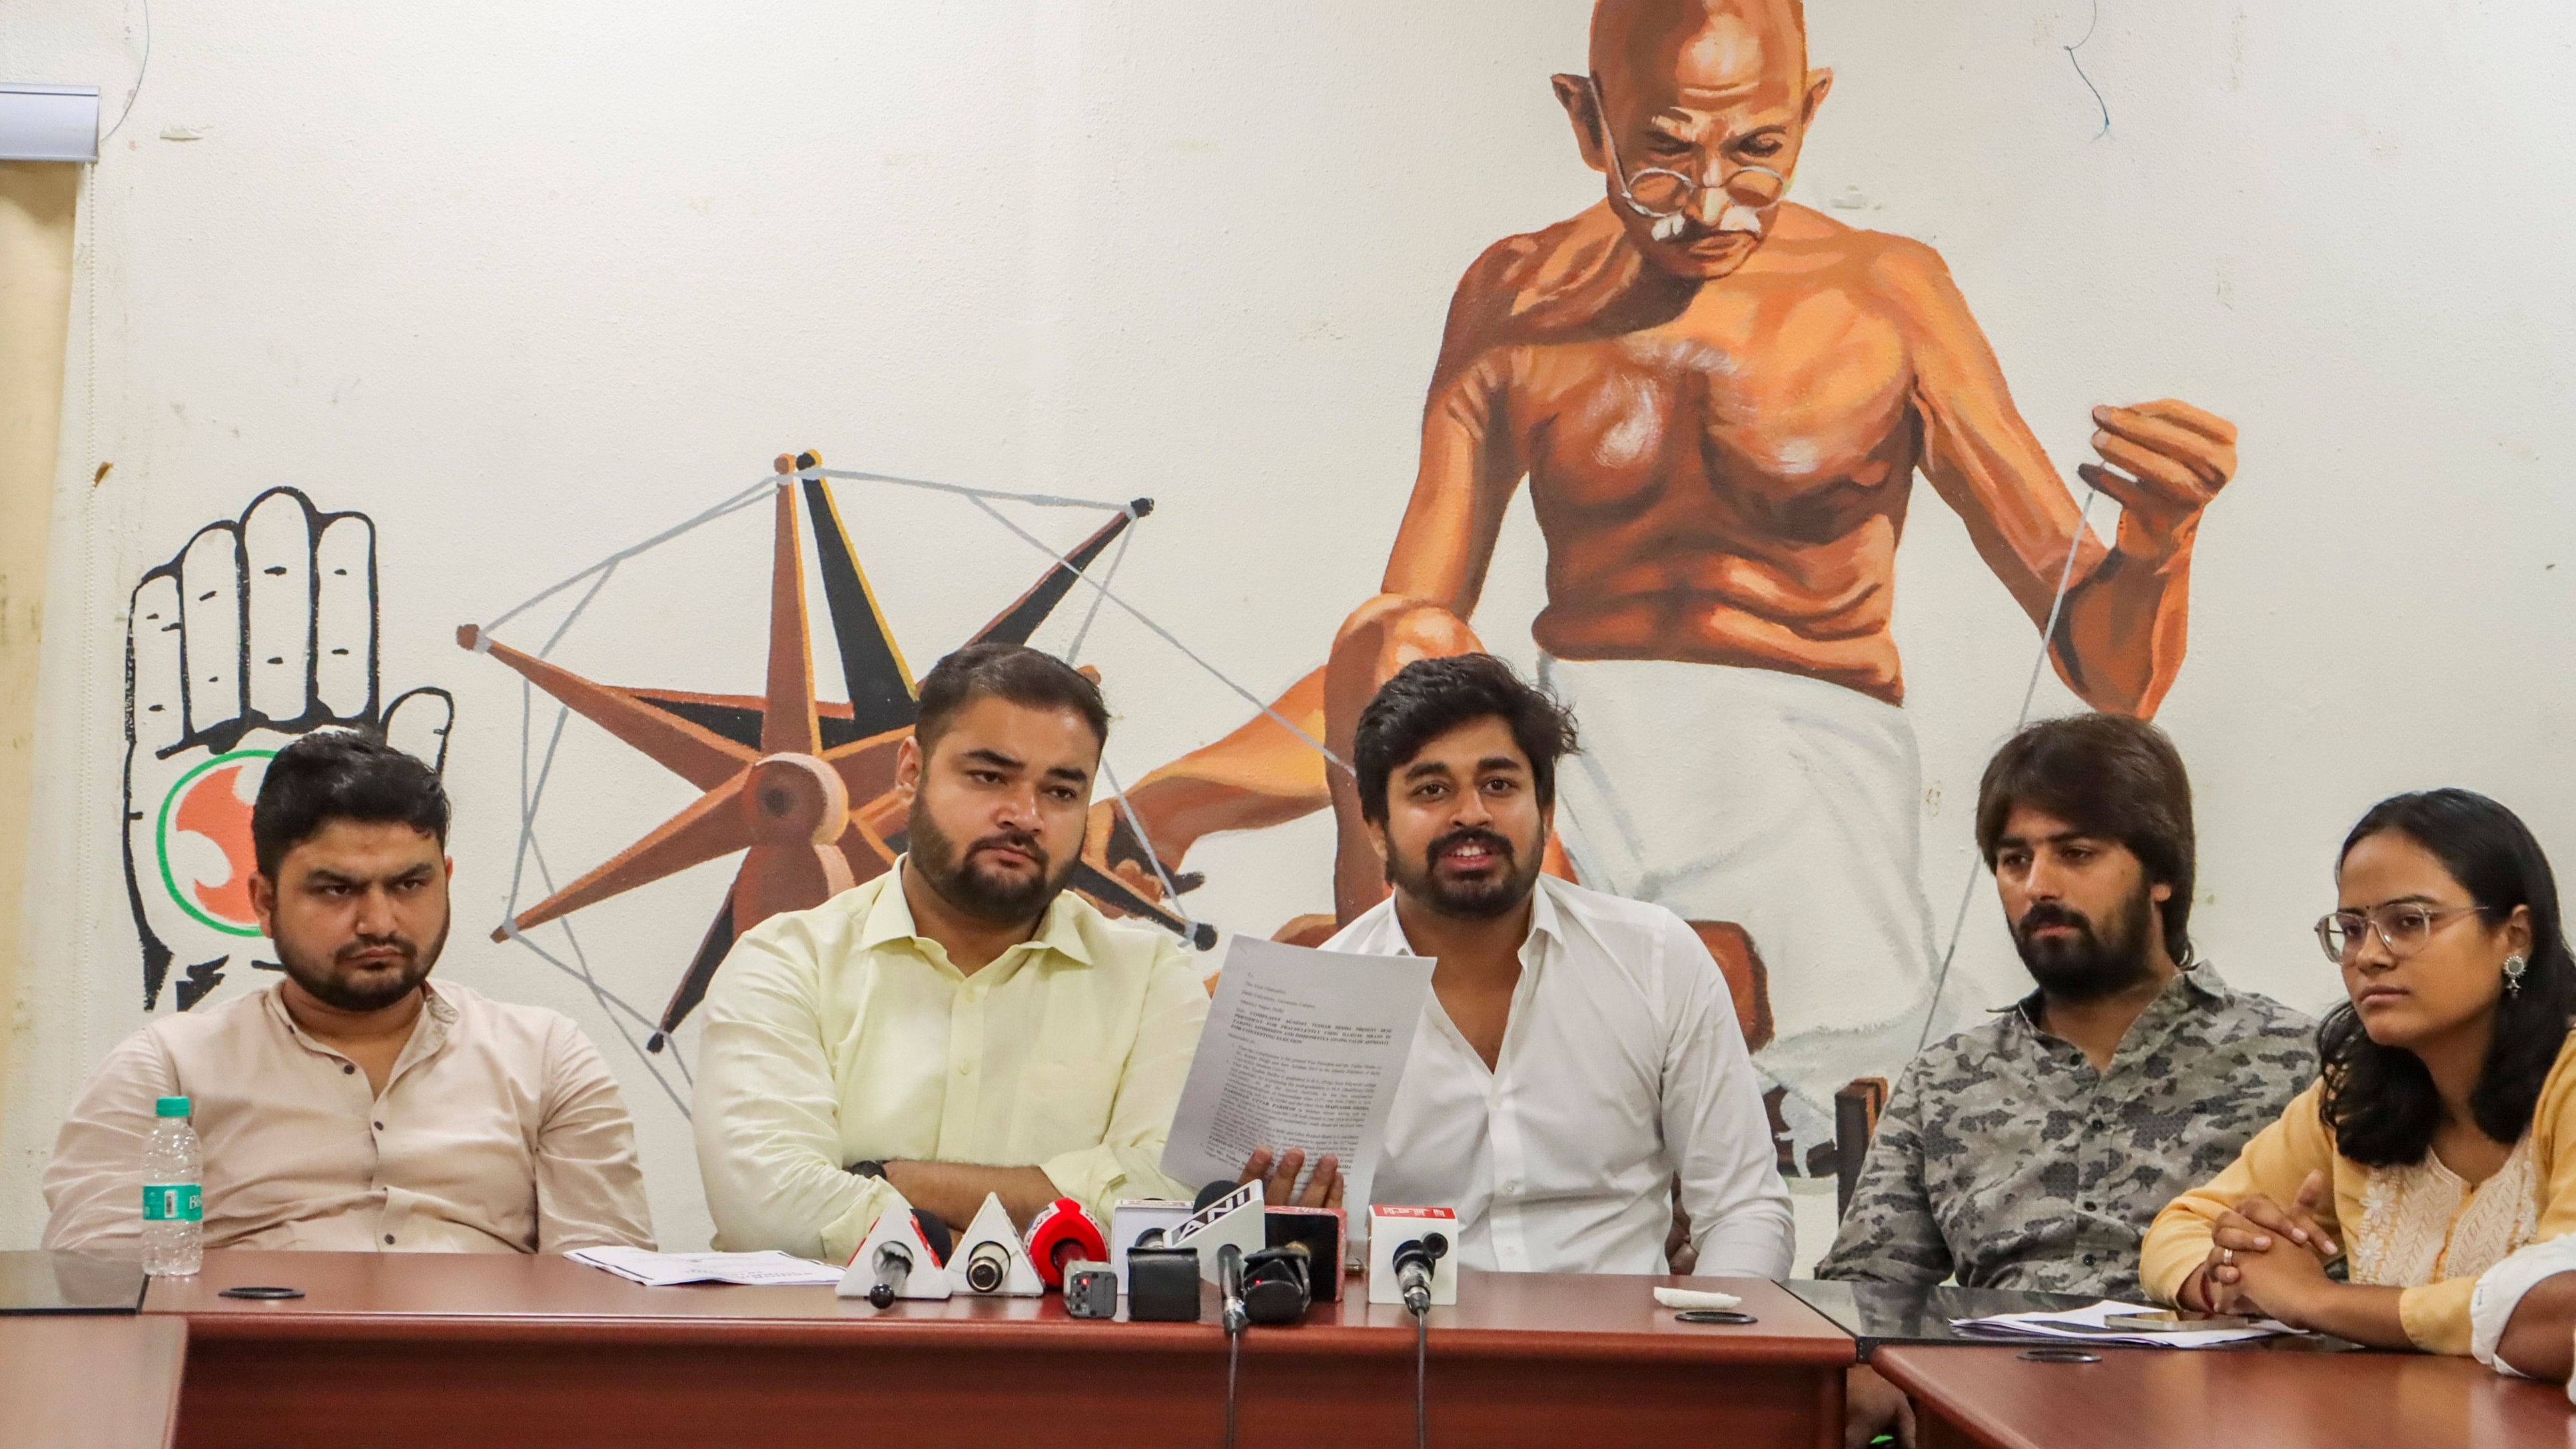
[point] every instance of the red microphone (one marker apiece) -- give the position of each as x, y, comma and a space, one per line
1064, 1232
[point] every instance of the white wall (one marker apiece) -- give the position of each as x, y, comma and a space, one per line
526, 281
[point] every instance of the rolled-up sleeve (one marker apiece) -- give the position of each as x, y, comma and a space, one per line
1715, 1126
767, 1110
590, 1185
93, 1186
1128, 1161
2500, 1291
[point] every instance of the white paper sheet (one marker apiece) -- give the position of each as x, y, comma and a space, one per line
1303, 1049
664, 1270
2091, 1325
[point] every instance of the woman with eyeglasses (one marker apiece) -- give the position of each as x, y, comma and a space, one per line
2440, 1136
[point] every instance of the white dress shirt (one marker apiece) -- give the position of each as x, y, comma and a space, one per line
1622, 1065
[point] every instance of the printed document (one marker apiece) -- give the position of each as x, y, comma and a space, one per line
664, 1270
2093, 1325
1303, 1049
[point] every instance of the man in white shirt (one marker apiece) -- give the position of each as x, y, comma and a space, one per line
1578, 1051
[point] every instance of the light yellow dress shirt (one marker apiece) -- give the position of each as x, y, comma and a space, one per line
499, 1130
838, 1035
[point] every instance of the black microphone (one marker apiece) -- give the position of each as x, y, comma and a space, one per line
1415, 1262
935, 1234
1229, 1287
1278, 1284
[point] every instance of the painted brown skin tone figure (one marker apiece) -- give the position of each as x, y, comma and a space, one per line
998, 808
358, 914
2439, 1003
1720, 430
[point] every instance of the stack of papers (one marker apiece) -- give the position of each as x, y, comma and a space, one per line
663, 1270
2091, 1325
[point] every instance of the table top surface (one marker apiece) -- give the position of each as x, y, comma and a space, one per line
1883, 1314
89, 1381
43, 1282
507, 1296
2142, 1398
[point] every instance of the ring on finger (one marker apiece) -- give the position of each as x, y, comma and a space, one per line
2227, 1255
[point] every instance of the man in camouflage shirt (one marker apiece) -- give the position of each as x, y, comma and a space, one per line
2031, 1152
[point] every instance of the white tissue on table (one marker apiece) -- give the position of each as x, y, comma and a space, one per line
1695, 1298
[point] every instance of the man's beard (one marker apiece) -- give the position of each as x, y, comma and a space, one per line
322, 982
996, 901
2087, 965
1483, 900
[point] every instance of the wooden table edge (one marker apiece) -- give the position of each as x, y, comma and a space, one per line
1715, 1347
1980, 1426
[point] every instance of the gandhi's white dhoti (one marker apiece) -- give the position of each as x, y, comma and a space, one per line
1785, 805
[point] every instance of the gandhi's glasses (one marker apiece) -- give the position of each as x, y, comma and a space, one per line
2403, 926
1668, 198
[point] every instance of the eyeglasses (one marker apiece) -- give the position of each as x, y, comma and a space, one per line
1668, 198
2403, 927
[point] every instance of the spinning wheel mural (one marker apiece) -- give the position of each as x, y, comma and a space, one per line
802, 787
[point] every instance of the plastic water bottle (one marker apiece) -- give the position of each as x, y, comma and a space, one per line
174, 1203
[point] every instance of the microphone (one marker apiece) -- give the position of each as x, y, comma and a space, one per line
1229, 1287
893, 1265
934, 1235
1064, 1232
987, 1264
1278, 1284
1415, 1262
1206, 1197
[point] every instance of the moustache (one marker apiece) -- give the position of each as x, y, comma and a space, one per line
1495, 845
1022, 842
1733, 217
2049, 913
402, 946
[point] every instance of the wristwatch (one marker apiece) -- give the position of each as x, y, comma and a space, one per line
870, 1168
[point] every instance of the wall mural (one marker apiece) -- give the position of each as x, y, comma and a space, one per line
802, 787
1720, 400
261, 629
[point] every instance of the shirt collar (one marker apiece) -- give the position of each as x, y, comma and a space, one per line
1546, 921
429, 1032
889, 918
2197, 984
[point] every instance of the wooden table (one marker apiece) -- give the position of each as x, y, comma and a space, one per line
426, 1349
2144, 1398
89, 1381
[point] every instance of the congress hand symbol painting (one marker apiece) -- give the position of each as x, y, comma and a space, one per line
261, 629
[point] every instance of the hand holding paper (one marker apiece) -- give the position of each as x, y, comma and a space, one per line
1302, 1051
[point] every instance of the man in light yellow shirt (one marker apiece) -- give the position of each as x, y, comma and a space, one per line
960, 1025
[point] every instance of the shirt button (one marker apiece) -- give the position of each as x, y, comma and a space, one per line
965, 1069
347, 1069
380, 1126
389, 1237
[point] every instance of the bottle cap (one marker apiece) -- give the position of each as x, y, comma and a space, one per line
171, 1107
